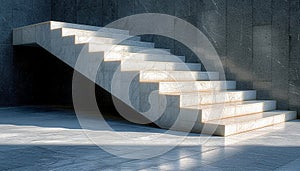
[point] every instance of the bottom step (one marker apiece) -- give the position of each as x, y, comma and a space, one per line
234, 125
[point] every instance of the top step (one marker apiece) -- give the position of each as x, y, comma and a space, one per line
57, 25
28, 34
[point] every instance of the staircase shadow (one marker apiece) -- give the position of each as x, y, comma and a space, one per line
65, 118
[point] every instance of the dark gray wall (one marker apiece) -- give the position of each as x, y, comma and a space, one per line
29, 76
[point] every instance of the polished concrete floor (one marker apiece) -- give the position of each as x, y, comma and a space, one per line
38, 138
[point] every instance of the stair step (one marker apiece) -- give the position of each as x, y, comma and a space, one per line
226, 110
203, 98
116, 56
230, 126
93, 47
194, 86
160, 76
57, 25
129, 65
87, 39
101, 33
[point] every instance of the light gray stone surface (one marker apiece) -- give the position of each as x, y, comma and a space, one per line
203, 98
227, 110
35, 138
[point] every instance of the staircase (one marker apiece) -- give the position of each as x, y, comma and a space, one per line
192, 99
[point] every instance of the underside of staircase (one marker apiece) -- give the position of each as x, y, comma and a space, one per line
192, 98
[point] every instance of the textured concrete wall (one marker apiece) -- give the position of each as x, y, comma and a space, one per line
26, 74
294, 56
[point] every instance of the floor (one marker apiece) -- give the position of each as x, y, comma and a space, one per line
40, 138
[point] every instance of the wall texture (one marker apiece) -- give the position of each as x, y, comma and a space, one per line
258, 41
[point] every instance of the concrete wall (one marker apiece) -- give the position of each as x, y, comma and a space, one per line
27, 73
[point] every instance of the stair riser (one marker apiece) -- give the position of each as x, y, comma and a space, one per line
71, 32
183, 76
197, 98
100, 40
239, 110
166, 88
158, 66
137, 43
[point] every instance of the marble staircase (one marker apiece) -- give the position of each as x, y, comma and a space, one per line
192, 100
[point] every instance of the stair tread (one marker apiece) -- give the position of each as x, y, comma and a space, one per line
247, 118
199, 93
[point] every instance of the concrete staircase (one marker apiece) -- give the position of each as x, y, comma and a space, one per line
191, 99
